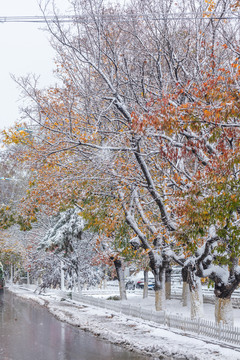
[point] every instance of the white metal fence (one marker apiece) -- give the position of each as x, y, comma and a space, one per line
204, 327
176, 293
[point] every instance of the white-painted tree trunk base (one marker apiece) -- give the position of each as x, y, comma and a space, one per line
145, 291
122, 290
196, 303
159, 300
168, 290
185, 294
223, 311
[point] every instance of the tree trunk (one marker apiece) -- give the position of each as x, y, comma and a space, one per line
160, 289
185, 287
223, 302
196, 299
223, 310
185, 294
11, 276
79, 285
120, 276
168, 285
74, 285
105, 279
145, 288
28, 278
62, 277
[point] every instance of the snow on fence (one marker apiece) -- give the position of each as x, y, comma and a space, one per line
203, 327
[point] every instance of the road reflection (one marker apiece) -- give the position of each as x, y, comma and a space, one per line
29, 332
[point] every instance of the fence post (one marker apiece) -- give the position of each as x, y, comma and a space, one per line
199, 324
164, 318
220, 330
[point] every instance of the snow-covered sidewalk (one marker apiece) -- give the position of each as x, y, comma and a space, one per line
139, 335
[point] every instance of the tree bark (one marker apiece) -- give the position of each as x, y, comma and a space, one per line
79, 285
223, 302
12, 274
168, 284
196, 299
28, 278
120, 276
160, 289
185, 294
145, 288
223, 311
62, 277
185, 287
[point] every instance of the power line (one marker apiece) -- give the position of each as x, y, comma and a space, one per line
36, 19
118, 18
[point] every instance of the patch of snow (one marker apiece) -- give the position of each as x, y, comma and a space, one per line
212, 231
221, 272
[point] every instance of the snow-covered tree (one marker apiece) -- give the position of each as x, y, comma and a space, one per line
68, 238
140, 114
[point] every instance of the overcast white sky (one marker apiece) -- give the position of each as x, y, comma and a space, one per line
24, 49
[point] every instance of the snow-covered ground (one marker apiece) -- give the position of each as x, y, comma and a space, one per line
139, 335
